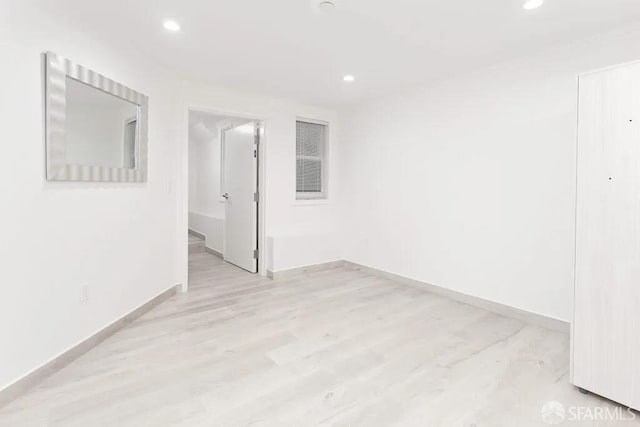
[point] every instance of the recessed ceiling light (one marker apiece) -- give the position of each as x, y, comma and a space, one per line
533, 4
172, 26
348, 78
326, 5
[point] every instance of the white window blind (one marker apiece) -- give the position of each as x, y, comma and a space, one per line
311, 141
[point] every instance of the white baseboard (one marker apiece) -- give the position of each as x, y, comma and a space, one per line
495, 307
283, 274
39, 374
214, 252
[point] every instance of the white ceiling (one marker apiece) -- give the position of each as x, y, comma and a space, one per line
289, 49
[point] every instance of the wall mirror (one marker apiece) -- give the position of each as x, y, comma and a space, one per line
96, 128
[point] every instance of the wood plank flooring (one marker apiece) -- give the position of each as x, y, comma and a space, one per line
331, 348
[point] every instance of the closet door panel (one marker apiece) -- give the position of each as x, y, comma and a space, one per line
606, 326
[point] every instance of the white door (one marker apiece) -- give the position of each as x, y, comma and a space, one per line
606, 326
241, 186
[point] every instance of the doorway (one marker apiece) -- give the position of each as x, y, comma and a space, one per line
224, 194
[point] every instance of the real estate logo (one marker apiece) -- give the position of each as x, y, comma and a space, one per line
553, 412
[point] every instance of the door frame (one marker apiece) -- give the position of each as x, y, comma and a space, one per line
184, 201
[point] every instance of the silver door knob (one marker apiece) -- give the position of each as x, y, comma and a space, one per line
226, 196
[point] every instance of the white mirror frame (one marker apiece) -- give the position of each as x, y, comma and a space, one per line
57, 69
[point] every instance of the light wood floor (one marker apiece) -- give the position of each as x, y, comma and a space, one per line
195, 239
332, 348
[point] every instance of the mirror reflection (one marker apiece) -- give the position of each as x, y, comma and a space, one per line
102, 129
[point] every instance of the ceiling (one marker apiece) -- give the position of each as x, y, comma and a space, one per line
290, 49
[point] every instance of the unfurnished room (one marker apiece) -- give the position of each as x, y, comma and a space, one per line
341, 213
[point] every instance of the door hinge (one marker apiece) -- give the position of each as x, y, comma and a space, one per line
256, 138
256, 197
255, 254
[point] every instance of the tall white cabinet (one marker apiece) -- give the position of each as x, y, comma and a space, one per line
606, 324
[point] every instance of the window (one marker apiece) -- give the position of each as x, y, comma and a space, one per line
311, 149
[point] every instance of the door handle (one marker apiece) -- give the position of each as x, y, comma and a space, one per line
226, 196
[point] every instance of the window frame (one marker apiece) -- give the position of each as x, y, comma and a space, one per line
302, 196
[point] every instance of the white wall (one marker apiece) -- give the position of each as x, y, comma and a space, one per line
127, 242
470, 184
211, 227
116, 238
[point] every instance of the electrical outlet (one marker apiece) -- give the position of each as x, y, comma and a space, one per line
84, 293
